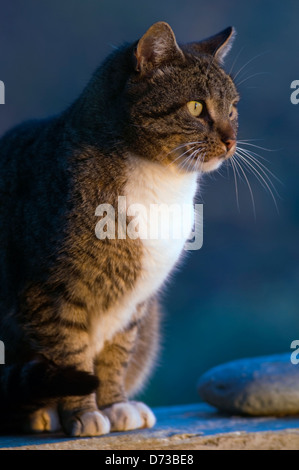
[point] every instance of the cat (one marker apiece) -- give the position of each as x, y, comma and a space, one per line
80, 315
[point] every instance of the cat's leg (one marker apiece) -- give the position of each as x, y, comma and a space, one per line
122, 367
111, 366
63, 337
80, 415
146, 348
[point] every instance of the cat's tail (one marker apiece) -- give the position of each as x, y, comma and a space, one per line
30, 386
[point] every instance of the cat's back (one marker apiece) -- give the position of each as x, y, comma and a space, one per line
17, 149
30, 157
33, 191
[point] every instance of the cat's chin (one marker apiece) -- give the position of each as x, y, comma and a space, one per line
212, 165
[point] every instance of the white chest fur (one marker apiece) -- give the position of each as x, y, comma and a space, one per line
161, 192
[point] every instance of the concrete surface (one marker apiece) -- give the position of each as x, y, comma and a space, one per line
189, 427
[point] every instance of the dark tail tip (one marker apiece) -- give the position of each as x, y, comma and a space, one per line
39, 380
51, 381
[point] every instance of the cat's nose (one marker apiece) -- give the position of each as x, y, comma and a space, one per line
229, 143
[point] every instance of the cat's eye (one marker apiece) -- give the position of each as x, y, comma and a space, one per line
195, 108
232, 111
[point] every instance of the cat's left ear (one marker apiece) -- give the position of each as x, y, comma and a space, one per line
158, 46
218, 46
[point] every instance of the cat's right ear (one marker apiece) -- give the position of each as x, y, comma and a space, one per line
158, 46
218, 45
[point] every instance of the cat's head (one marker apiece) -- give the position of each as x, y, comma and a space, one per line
181, 105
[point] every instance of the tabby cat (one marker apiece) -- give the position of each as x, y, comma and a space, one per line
79, 315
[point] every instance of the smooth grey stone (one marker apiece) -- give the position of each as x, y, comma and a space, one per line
260, 386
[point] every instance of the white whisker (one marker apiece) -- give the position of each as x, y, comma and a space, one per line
259, 177
181, 155
184, 163
249, 186
250, 76
235, 61
236, 183
245, 142
178, 148
261, 166
247, 63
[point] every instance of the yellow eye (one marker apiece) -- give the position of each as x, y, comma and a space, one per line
195, 108
232, 112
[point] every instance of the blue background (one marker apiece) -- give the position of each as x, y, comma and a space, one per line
238, 295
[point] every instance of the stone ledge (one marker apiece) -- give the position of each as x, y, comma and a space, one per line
186, 427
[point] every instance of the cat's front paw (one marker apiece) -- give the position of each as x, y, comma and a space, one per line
130, 415
88, 423
43, 420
